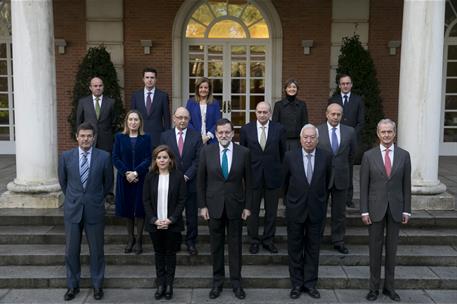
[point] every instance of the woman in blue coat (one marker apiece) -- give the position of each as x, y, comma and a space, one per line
204, 111
132, 158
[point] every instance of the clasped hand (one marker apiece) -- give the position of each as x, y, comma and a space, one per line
162, 224
131, 176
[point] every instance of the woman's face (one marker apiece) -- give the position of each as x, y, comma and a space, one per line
291, 89
203, 90
133, 122
163, 160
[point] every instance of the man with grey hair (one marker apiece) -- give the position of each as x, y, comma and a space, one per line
307, 175
385, 202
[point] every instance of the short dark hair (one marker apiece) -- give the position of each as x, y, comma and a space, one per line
289, 82
86, 126
342, 75
156, 152
149, 69
223, 122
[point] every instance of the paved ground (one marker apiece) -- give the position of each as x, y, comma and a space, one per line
197, 296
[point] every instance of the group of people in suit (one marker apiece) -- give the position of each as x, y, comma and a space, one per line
198, 167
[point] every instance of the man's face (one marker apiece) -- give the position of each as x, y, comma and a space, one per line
345, 84
149, 79
386, 134
263, 113
308, 139
85, 139
181, 119
334, 115
96, 87
224, 134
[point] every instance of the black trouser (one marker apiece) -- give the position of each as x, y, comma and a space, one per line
338, 215
166, 244
191, 219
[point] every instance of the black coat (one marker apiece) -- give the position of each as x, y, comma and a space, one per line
293, 115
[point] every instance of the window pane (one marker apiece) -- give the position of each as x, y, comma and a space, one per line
219, 7
196, 69
238, 69
192, 85
258, 50
450, 119
4, 133
451, 69
4, 101
235, 9
194, 56
238, 118
238, 50
195, 30
2, 50
257, 86
196, 48
215, 50
254, 100
3, 67
215, 68
3, 84
238, 86
251, 14
252, 116
239, 102
451, 86
450, 135
203, 14
227, 29
257, 69
451, 103
4, 117
217, 86
452, 51
259, 30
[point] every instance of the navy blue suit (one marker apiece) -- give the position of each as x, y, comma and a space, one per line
266, 168
159, 119
187, 164
213, 114
84, 208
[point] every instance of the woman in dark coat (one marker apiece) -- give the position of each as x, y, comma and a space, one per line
204, 111
132, 158
292, 113
164, 195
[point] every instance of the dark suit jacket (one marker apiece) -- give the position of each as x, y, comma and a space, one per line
99, 183
159, 118
213, 114
188, 162
343, 160
302, 198
105, 124
353, 111
216, 193
176, 200
267, 163
377, 191
293, 115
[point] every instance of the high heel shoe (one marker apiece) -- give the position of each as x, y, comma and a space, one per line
169, 292
138, 248
159, 292
130, 244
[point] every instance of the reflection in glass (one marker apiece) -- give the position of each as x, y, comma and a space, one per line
238, 50
259, 30
215, 68
195, 30
196, 69
450, 135
215, 49
450, 119
2, 50
192, 84
217, 86
3, 67
451, 102
451, 86
219, 7
203, 14
238, 102
252, 116
251, 14
4, 117
196, 48
257, 50
4, 133
3, 84
238, 69
238, 118
254, 100
4, 101
257, 86
194, 56
227, 29
257, 69
238, 86
235, 9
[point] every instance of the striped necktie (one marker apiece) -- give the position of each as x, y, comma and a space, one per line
84, 169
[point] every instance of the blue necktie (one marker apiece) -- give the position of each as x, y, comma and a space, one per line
225, 164
84, 169
334, 141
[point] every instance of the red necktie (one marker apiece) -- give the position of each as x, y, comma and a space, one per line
180, 143
387, 163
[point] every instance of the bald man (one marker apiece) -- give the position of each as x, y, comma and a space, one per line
185, 145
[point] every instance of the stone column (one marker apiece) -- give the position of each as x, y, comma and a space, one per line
420, 98
36, 184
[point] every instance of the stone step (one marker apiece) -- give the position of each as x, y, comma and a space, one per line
50, 217
47, 255
139, 276
115, 234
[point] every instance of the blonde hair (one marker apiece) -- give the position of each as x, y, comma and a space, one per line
126, 130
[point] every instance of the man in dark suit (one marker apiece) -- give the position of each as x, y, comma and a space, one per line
86, 177
153, 105
307, 176
99, 111
353, 116
223, 188
385, 202
266, 140
185, 145
340, 141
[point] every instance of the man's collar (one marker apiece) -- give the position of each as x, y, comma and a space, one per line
331, 127
260, 125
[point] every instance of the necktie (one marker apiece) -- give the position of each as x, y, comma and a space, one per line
345, 100
180, 143
149, 103
309, 169
334, 141
263, 138
84, 169
97, 107
224, 164
387, 163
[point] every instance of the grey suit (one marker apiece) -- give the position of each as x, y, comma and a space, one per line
84, 209
341, 164
105, 124
385, 199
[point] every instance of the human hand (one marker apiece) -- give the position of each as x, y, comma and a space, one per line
246, 213
204, 213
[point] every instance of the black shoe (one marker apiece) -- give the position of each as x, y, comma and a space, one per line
350, 204
239, 293
130, 244
138, 248
270, 247
160, 292
254, 248
341, 249
391, 294
71, 294
372, 295
192, 250
313, 292
215, 292
168, 292
295, 292
98, 293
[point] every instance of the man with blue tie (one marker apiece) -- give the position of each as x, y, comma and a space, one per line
224, 194
340, 141
86, 177
266, 140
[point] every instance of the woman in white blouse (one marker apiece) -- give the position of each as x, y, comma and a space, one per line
164, 194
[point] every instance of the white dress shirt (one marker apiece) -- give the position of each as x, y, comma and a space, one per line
146, 96
259, 130
94, 100
337, 131
229, 154
162, 196
183, 135
203, 109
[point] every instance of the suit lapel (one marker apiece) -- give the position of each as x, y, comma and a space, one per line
270, 134
324, 139
93, 162
397, 161
379, 162
91, 107
103, 107
75, 165
187, 143
301, 164
253, 134
174, 143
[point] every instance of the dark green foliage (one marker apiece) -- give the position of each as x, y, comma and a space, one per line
356, 62
97, 62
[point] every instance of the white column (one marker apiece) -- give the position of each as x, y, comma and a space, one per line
36, 184
420, 91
